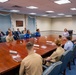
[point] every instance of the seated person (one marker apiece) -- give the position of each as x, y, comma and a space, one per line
24, 31
18, 31
9, 38
37, 34
60, 37
1, 34
55, 56
66, 33
16, 35
31, 64
69, 44
27, 35
9, 30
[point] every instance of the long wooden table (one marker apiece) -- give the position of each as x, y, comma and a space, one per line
6, 61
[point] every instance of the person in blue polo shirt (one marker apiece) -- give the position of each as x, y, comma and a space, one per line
37, 34
27, 35
69, 44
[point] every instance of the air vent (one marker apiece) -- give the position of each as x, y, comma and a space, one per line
16, 6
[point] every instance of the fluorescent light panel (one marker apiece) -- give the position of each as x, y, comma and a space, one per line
72, 8
32, 7
62, 1
2, 1
68, 15
53, 16
44, 15
14, 10
50, 11
61, 14
32, 13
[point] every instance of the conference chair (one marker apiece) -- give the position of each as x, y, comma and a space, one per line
33, 35
16, 35
3, 39
74, 54
21, 36
65, 58
54, 69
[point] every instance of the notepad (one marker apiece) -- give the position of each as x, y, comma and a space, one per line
36, 45
13, 52
49, 41
43, 47
53, 43
17, 58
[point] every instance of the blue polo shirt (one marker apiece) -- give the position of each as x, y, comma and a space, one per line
68, 45
27, 36
37, 34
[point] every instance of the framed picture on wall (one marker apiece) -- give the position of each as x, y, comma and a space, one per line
19, 23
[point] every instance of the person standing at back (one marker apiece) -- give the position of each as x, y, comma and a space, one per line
32, 64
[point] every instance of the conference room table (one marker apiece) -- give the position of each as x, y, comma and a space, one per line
42, 45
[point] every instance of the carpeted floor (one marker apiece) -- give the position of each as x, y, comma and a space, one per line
72, 71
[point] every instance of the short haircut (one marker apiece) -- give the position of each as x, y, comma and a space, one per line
29, 45
58, 42
60, 36
9, 32
37, 29
68, 37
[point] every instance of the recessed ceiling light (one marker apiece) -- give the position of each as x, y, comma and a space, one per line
32, 13
14, 10
68, 15
2, 1
32, 7
50, 11
53, 16
72, 8
61, 14
44, 15
62, 1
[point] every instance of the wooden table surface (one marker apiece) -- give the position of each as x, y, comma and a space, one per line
6, 61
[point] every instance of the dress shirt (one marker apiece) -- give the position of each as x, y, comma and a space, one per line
65, 34
37, 34
9, 38
57, 54
31, 65
68, 45
27, 36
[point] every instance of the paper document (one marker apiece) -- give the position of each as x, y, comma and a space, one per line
13, 52
36, 45
16, 58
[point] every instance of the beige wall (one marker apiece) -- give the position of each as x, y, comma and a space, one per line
44, 24
15, 17
61, 23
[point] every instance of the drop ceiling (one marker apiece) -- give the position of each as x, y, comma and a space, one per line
43, 6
